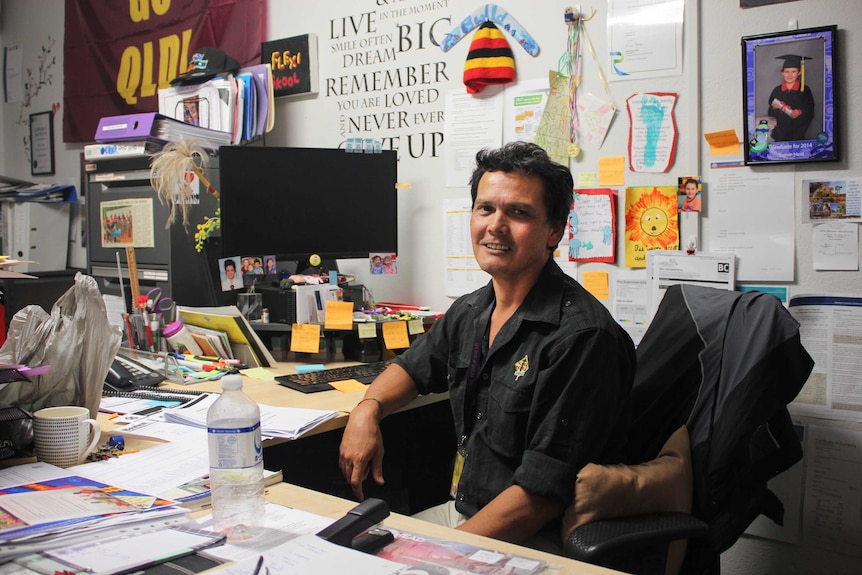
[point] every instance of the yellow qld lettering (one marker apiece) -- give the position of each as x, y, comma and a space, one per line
173, 56
148, 88
135, 77
129, 74
139, 10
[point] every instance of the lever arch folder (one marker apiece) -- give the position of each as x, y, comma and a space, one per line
38, 232
155, 126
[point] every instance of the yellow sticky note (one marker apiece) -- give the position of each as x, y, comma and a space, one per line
723, 143
339, 315
612, 171
395, 334
348, 385
305, 338
415, 327
587, 179
597, 284
367, 330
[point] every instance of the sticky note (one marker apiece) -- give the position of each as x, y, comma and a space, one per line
348, 385
308, 368
597, 284
612, 171
339, 315
367, 330
723, 143
305, 338
395, 334
415, 327
587, 179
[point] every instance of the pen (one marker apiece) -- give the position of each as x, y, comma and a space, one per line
259, 565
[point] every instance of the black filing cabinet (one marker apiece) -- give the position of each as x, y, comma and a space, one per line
165, 257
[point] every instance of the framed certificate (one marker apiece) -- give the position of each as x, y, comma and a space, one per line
42, 143
790, 96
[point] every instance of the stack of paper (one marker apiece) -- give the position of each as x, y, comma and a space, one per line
40, 511
288, 422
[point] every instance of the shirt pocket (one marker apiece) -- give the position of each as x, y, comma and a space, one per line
508, 414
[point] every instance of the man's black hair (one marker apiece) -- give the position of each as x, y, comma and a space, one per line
229, 263
531, 160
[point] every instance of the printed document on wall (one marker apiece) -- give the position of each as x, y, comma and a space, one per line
832, 499
463, 274
752, 216
668, 267
473, 122
831, 331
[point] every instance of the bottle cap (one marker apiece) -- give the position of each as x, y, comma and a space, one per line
231, 381
173, 328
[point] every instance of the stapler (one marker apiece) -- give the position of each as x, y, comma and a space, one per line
362, 517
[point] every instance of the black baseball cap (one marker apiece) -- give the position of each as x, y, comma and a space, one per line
206, 63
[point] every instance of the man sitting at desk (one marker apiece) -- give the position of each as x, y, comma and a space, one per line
537, 370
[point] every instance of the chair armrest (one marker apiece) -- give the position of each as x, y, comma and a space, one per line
608, 537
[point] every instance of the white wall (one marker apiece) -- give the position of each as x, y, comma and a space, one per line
710, 100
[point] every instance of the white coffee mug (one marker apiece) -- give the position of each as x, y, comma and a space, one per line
64, 436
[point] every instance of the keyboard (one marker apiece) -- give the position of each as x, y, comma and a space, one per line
313, 381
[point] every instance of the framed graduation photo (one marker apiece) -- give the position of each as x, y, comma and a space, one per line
790, 97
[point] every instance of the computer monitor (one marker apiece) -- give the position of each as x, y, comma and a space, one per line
294, 202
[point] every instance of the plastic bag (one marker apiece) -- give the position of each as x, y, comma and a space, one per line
76, 340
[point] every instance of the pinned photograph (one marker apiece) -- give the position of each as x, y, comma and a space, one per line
690, 194
383, 264
230, 279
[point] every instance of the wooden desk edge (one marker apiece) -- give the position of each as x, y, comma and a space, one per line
335, 507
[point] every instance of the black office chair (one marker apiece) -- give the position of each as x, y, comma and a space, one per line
725, 365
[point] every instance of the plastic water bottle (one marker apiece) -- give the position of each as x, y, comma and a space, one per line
236, 462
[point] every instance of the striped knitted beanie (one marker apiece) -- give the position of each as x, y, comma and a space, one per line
489, 60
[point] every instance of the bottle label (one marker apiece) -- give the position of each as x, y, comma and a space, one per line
235, 448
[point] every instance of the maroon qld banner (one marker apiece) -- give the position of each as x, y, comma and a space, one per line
118, 53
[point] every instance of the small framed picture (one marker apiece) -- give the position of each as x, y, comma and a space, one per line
42, 143
790, 96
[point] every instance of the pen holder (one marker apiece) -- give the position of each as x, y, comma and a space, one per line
250, 305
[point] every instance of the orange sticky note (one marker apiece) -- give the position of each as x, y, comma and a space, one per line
339, 315
723, 143
348, 385
395, 334
367, 330
597, 284
305, 338
612, 171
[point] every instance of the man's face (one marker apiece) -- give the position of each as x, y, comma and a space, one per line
509, 225
230, 271
790, 75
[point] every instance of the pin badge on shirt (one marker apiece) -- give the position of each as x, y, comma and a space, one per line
521, 367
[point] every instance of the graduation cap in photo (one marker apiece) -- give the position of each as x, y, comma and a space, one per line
206, 63
795, 61
490, 59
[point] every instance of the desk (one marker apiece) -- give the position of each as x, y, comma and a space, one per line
334, 508
271, 393
419, 441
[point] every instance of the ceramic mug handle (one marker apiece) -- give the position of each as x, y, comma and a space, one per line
96, 430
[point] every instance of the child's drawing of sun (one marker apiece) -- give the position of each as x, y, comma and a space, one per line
651, 220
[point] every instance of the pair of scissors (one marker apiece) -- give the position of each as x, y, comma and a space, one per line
158, 304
